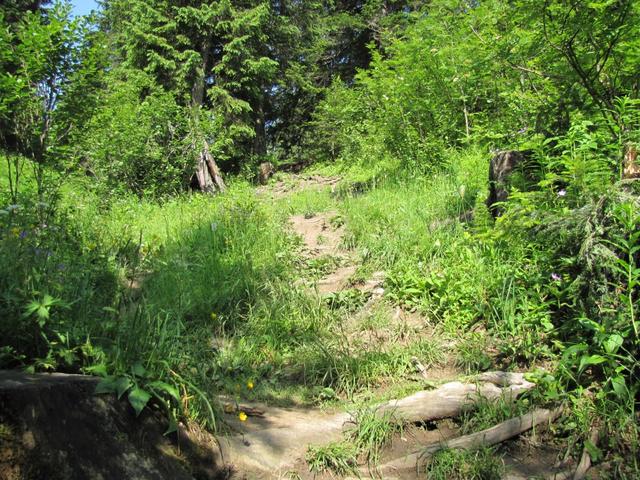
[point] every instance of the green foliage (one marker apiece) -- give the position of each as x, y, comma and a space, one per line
472, 355
482, 464
140, 389
488, 413
53, 276
373, 430
177, 301
142, 146
338, 457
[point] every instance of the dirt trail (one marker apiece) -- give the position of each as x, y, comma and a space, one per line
296, 183
322, 237
274, 445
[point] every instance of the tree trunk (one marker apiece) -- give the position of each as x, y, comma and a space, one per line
260, 140
208, 175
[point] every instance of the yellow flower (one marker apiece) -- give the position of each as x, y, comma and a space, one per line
250, 385
214, 315
15, 232
242, 416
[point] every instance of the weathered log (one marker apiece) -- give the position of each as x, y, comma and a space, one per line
281, 442
491, 436
208, 176
453, 398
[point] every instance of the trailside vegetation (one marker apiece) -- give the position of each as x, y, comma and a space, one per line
117, 259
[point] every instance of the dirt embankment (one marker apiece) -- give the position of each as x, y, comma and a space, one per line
53, 427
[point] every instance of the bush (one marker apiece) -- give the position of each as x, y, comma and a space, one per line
139, 140
55, 280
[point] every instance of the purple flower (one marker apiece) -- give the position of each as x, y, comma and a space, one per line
562, 193
23, 234
555, 277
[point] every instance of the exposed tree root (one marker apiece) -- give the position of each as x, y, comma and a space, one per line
484, 438
279, 445
585, 460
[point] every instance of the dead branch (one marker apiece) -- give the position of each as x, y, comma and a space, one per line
277, 446
491, 436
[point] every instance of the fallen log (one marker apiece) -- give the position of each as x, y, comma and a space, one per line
485, 438
453, 398
280, 444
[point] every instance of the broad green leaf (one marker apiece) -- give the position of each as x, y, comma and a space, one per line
594, 452
138, 370
574, 349
173, 422
106, 385
619, 386
99, 370
165, 388
588, 360
122, 384
613, 343
138, 398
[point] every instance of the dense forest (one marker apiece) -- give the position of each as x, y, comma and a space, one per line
136, 246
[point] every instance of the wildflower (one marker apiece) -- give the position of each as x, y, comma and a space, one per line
23, 234
250, 385
562, 193
15, 232
555, 277
242, 416
214, 316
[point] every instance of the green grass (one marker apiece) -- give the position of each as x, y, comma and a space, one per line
221, 297
482, 464
339, 458
373, 430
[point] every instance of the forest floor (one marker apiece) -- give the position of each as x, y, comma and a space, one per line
275, 442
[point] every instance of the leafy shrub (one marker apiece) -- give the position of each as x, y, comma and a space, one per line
54, 281
139, 140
